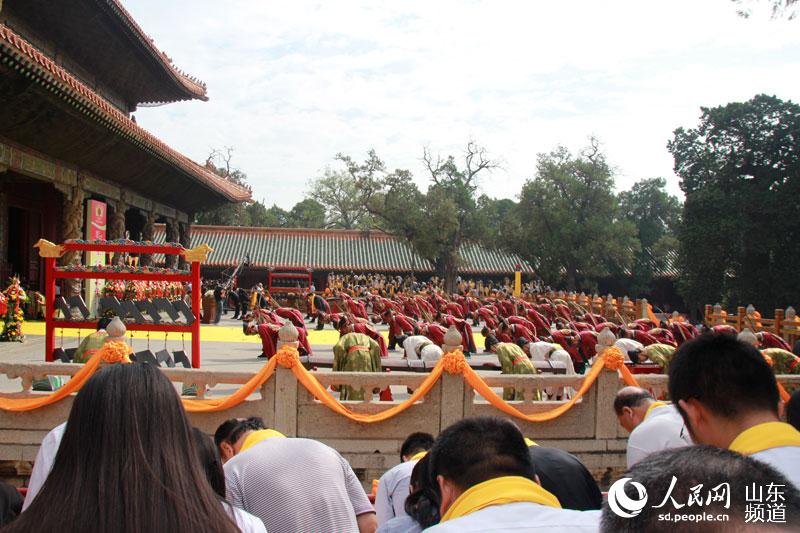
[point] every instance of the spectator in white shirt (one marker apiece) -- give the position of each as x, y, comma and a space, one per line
393, 486
487, 483
295, 484
654, 426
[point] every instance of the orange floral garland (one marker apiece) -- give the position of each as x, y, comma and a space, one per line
115, 352
454, 362
288, 356
614, 360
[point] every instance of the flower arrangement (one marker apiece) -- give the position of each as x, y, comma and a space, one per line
142, 290
14, 317
120, 269
115, 352
126, 242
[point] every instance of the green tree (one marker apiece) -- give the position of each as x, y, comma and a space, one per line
656, 215
257, 214
277, 217
740, 172
498, 222
435, 223
569, 222
307, 213
337, 191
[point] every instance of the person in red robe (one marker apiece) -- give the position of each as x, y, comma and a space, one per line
600, 326
292, 314
569, 340
515, 332
463, 327
664, 336
541, 325
642, 324
506, 308
356, 307
487, 315
410, 307
725, 329
587, 344
563, 311
768, 339
435, 332
454, 309
682, 331
426, 310
400, 326
524, 322
269, 340
639, 336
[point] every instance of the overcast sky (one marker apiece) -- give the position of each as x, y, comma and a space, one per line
293, 83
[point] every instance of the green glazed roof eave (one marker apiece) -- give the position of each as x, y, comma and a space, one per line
319, 249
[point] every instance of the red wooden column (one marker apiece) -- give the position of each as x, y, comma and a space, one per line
196, 293
49, 307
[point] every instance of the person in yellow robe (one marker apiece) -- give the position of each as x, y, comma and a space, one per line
355, 352
512, 361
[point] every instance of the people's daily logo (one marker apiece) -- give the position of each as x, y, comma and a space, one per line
621, 504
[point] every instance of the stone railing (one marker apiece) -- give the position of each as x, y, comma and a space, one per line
785, 323
589, 430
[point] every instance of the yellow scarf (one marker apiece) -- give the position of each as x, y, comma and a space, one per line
765, 436
417, 456
258, 436
653, 405
498, 491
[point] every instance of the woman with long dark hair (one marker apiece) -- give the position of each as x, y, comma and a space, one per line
211, 463
127, 463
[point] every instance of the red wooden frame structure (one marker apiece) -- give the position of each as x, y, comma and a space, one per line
52, 273
305, 276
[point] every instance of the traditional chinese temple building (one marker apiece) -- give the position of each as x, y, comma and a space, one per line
324, 251
73, 162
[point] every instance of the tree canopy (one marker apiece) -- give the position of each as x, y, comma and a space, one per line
337, 192
436, 222
740, 171
570, 227
656, 215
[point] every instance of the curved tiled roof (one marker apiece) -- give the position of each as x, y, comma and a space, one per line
194, 87
319, 249
30, 62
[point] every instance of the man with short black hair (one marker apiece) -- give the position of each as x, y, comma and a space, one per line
792, 410
393, 487
272, 476
487, 482
566, 477
229, 435
728, 397
654, 426
677, 473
